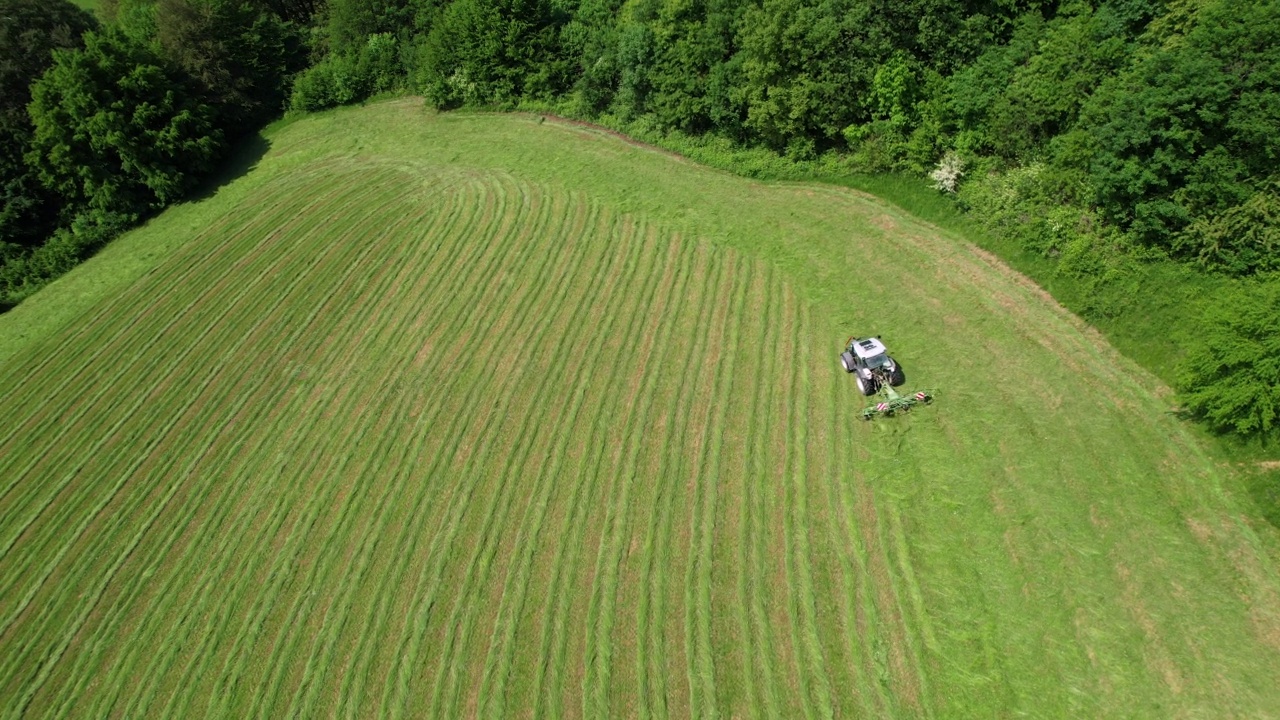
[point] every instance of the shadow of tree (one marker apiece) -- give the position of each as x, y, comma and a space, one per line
244, 157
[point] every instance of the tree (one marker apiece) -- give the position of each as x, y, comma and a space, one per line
1190, 128
351, 22
30, 30
493, 52
1231, 375
117, 129
241, 57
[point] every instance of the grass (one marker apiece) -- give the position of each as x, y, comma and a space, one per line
476, 415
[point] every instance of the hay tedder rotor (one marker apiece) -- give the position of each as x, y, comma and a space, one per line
875, 372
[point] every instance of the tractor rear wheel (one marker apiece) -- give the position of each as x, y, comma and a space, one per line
898, 377
846, 361
867, 387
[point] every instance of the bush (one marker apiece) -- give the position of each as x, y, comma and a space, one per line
1230, 377
23, 274
349, 78
1242, 240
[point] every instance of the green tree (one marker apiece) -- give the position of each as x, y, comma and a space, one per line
493, 52
1230, 377
30, 30
118, 129
1190, 128
240, 56
351, 22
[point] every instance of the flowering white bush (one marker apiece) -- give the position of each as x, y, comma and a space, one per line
946, 177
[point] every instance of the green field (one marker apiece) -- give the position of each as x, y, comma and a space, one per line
480, 415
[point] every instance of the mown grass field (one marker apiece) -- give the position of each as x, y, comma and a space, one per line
479, 415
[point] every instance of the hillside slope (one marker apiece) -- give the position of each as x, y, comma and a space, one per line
455, 415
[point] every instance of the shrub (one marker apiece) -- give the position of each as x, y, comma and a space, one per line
21, 274
1230, 377
349, 78
946, 177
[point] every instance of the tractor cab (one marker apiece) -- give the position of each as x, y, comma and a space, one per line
868, 349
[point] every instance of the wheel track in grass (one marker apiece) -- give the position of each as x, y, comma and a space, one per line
569, 552
911, 680
653, 517
651, 649
491, 690
503, 222
919, 617
164, 371
109, 319
353, 689
46, 666
571, 532
429, 580
279, 190
256, 620
571, 229
388, 276
904, 651
597, 654
756, 695
706, 474
313, 417
811, 666
75, 392
514, 313
474, 570
249, 387
775, 568
46, 611
870, 693
876, 657
735, 682
453, 506
600, 274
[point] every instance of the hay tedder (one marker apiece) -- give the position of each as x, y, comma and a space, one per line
875, 372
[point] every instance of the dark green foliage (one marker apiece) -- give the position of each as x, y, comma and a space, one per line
240, 56
118, 129
22, 273
1183, 132
341, 79
298, 11
1230, 377
492, 52
1241, 240
351, 22
30, 30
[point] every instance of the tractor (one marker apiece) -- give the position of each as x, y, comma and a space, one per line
868, 360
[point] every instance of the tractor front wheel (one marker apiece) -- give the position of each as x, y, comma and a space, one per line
846, 361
